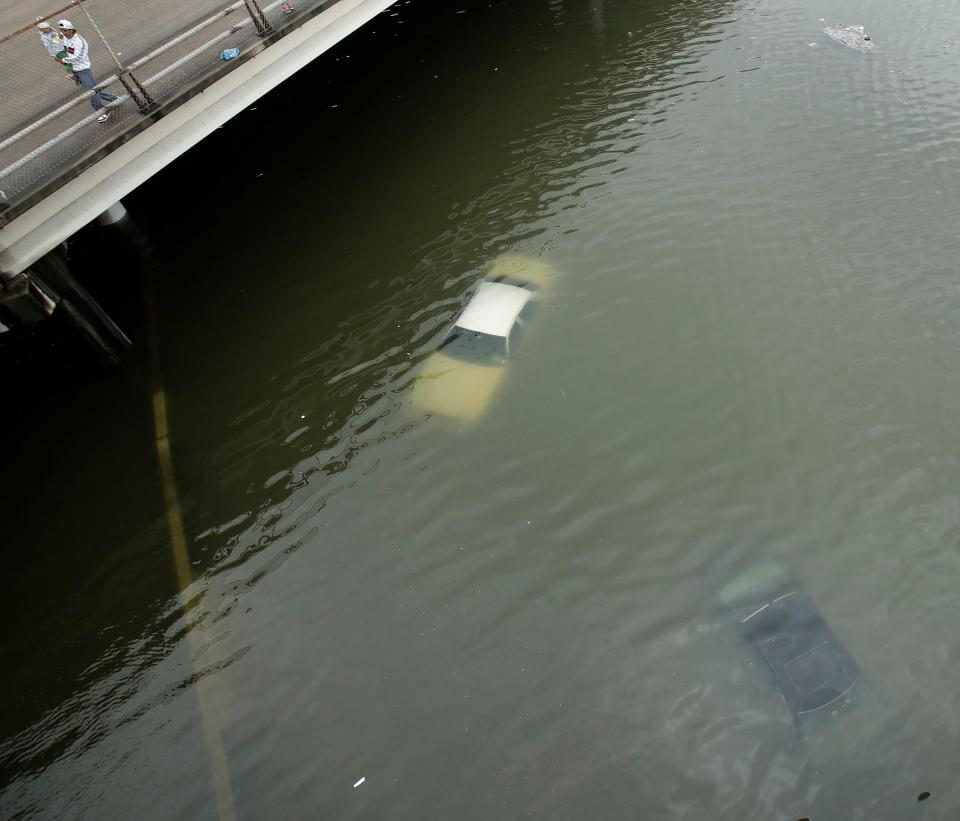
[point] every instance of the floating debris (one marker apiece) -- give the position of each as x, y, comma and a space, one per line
850, 36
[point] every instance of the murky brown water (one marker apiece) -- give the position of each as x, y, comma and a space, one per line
746, 354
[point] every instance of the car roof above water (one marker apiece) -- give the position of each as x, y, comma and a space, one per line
494, 308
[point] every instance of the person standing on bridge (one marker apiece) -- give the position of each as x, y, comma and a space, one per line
78, 58
53, 43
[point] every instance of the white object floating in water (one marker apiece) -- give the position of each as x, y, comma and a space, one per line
850, 36
359, 782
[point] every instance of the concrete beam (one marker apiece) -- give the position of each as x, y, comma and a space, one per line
31, 235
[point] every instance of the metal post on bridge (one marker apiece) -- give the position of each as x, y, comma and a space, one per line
145, 103
258, 17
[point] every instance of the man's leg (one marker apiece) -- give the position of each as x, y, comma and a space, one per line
106, 96
86, 80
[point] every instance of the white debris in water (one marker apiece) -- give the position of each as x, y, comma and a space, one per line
850, 36
359, 782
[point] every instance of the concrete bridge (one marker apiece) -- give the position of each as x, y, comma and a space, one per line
61, 169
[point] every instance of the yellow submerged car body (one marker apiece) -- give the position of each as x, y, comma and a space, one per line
460, 379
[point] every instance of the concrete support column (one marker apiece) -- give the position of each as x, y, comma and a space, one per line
113, 214
80, 309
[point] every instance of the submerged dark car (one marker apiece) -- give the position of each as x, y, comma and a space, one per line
776, 616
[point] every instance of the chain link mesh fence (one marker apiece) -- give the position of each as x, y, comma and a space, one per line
144, 53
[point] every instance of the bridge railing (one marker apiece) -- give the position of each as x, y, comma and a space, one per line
145, 53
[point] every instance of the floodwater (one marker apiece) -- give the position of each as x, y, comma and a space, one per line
746, 354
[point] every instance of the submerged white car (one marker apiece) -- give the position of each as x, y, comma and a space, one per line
460, 379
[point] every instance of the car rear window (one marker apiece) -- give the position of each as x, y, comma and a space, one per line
472, 346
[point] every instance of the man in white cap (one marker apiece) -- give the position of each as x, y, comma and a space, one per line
53, 43
78, 58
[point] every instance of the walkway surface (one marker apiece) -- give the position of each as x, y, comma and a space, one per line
47, 123
14, 14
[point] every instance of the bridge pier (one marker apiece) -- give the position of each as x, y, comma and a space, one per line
113, 214
49, 289
51, 273
22, 302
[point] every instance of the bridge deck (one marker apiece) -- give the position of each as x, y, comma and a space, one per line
106, 167
48, 128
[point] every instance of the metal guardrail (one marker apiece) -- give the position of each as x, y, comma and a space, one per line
146, 53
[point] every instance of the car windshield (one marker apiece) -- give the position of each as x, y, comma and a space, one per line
515, 282
473, 346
